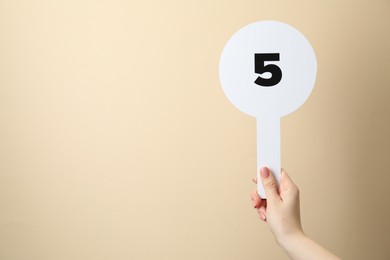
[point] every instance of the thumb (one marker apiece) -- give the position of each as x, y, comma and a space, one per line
269, 183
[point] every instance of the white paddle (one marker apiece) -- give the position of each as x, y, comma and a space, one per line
267, 70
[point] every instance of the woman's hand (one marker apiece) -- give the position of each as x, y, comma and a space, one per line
281, 209
282, 213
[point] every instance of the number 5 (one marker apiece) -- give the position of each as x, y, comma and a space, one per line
276, 73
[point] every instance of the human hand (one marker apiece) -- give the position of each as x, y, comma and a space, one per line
281, 209
282, 213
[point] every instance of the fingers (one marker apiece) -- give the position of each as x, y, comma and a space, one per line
258, 203
269, 184
254, 180
261, 211
256, 200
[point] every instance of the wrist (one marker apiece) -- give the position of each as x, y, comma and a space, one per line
299, 246
288, 241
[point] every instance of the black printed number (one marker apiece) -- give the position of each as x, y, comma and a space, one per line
260, 68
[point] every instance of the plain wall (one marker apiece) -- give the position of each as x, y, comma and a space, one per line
117, 142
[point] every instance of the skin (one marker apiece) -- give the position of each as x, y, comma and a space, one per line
281, 211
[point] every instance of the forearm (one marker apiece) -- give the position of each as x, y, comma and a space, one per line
300, 247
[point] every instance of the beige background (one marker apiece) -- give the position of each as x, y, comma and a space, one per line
117, 142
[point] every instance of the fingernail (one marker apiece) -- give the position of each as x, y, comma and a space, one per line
264, 172
262, 216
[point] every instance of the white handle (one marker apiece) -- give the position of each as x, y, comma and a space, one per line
268, 149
